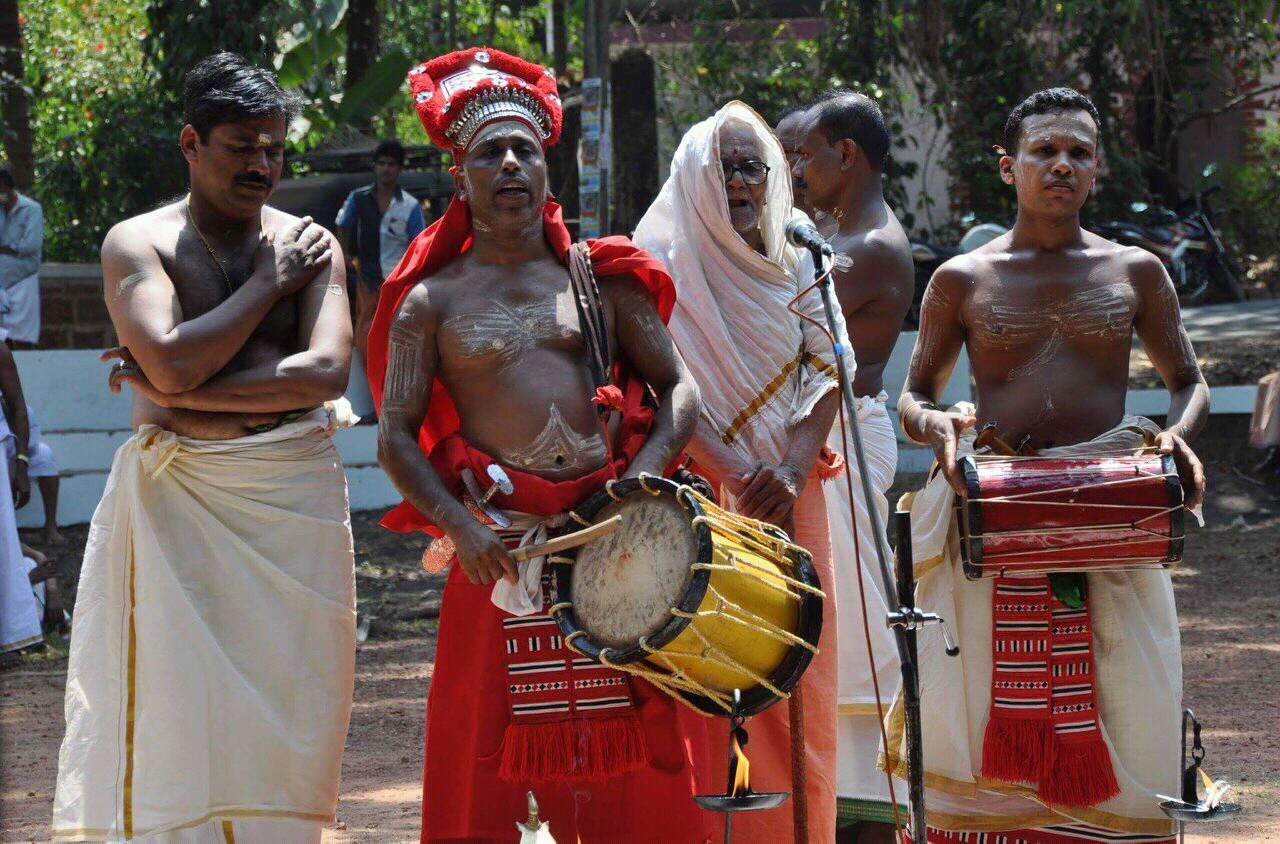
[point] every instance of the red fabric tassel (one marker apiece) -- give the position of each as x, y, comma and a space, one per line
1080, 774
570, 751
829, 465
1015, 749
608, 396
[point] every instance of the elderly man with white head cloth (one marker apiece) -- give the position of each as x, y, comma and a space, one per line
770, 396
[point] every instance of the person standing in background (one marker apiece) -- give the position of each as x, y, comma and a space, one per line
375, 227
21, 241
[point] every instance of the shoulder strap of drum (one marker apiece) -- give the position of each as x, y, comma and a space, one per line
591, 316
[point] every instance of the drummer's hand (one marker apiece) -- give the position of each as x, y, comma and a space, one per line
483, 556
941, 429
1190, 469
770, 492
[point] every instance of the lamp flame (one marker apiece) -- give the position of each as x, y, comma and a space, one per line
741, 768
1214, 790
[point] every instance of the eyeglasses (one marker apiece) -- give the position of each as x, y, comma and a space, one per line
753, 172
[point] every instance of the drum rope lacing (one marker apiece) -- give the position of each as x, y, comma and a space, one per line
734, 527
1022, 498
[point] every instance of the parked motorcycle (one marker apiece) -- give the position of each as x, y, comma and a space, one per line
929, 256
1185, 240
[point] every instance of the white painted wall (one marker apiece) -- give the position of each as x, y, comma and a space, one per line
84, 424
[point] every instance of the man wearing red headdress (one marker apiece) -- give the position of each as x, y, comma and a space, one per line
492, 364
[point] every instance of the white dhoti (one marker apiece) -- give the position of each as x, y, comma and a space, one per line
19, 613
1137, 680
862, 788
211, 670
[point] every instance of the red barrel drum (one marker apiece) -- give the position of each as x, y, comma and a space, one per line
1051, 514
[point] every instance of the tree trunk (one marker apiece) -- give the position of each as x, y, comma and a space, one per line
16, 132
436, 24
364, 38
559, 38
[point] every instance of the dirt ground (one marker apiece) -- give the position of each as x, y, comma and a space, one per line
1228, 593
1224, 363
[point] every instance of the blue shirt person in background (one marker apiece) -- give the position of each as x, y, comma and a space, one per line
375, 227
21, 240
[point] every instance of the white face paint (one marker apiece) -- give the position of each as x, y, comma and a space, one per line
559, 447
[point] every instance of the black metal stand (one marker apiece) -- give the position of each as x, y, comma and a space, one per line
738, 799
903, 616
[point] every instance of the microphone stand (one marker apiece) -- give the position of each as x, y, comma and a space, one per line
904, 617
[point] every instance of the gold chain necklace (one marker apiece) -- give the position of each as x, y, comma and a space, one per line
214, 255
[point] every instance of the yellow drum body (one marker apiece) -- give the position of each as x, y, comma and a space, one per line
693, 598
757, 583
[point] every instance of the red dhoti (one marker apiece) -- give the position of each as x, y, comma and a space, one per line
511, 710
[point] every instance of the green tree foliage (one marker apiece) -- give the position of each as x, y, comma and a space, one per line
103, 150
1153, 68
756, 59
421, 28
1250, 197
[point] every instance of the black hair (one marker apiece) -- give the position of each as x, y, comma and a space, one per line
225, 88
847, 114
6, 176
1044, 102
389, 149
788, 112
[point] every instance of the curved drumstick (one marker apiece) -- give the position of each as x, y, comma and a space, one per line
569, 540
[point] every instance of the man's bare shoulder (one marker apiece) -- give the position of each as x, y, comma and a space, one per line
419, 304
970, 268
1139, 264
275, 220
880, 248
152, 230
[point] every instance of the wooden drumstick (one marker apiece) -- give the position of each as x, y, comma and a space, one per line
569, 540
987, 437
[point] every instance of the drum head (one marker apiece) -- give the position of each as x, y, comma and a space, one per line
625, 585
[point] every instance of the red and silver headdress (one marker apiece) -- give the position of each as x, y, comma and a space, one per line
459, 94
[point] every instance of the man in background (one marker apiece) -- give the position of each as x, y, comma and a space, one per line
375, 226
841, 144
790, 123
21, 240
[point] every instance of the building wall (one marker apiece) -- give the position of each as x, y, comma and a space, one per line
72, 312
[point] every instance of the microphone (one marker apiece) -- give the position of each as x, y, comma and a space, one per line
801, 233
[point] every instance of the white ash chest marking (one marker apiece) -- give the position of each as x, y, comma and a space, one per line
1101, 312
508, 331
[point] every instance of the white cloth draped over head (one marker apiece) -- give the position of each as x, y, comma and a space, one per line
760, 368
213, 659
1137, 671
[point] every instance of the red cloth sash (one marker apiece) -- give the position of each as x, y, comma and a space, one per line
1043, 725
